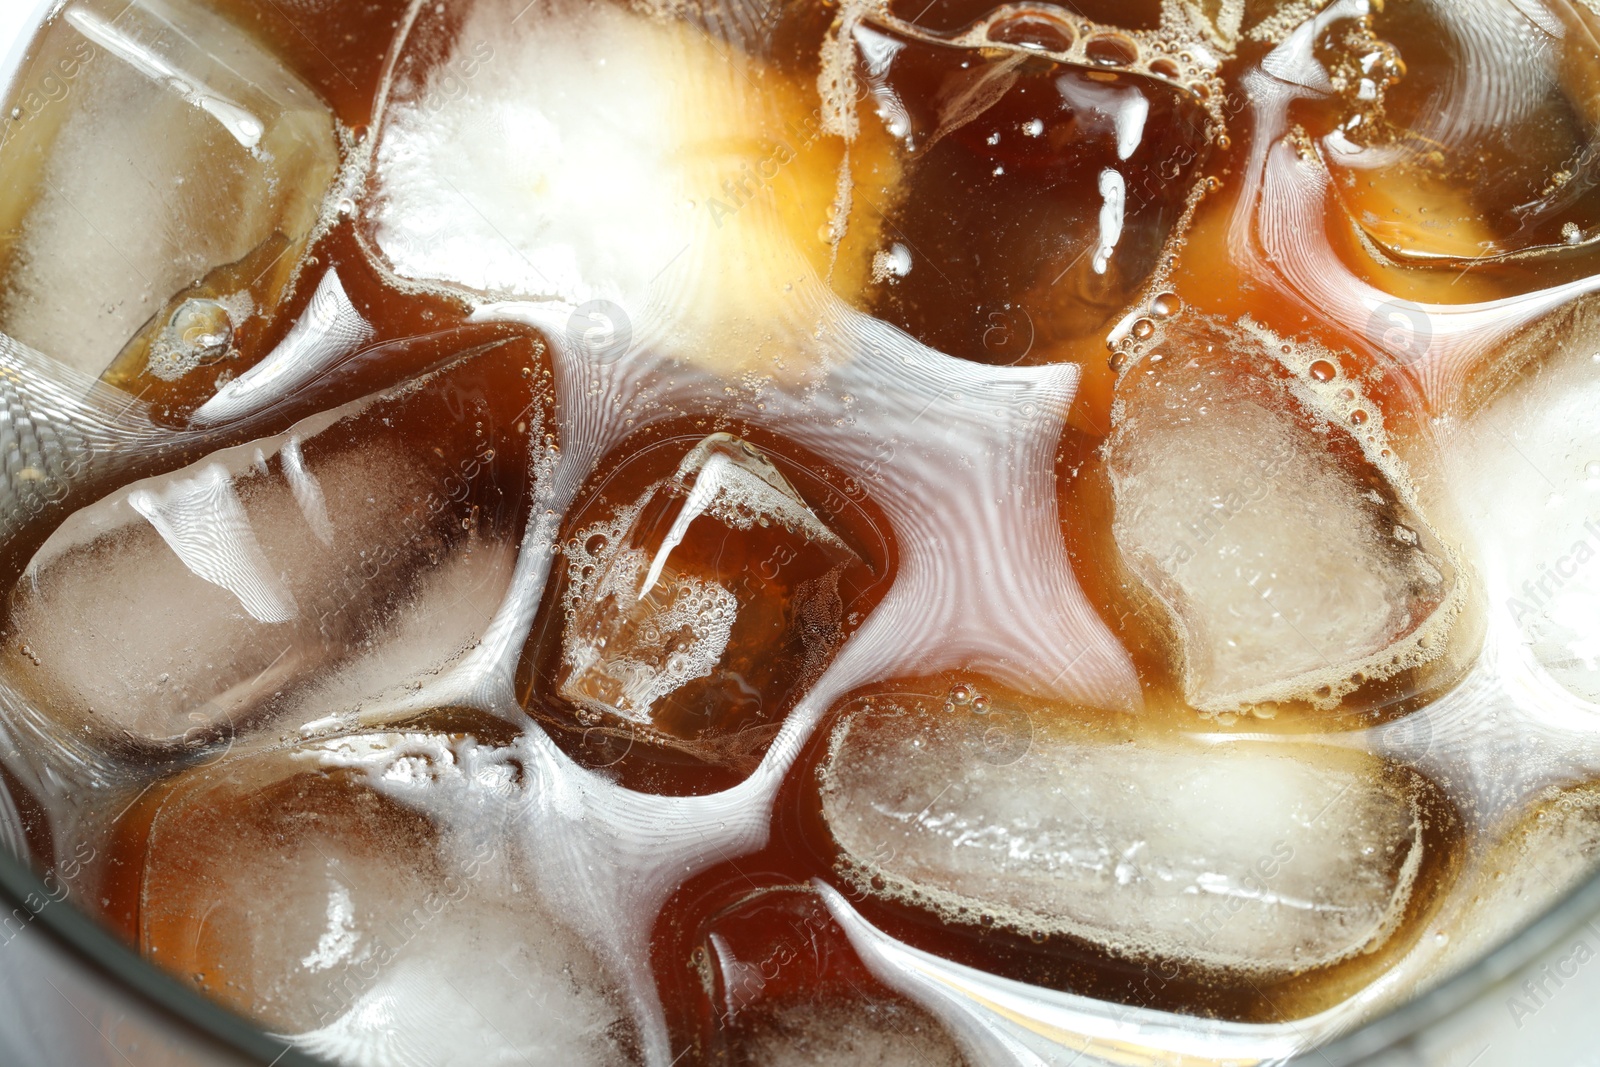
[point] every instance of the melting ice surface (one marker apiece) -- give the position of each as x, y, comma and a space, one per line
1302, 565
144, 166
703, 609
319, 551
1312, 862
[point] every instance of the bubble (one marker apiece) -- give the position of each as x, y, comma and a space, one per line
1358, 418
1144, 329
1111, 50
1166, 305
1323, 370
961, 694
1034, 30
204, 327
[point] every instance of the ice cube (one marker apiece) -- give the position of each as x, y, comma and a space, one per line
1049, 163
1258, 502
950, 17
786, 988
178, 607
161, 178
1524, 471
1477, 149
291, 886
689, 183
870, 1033
696, 613
1222, 863
1534, 859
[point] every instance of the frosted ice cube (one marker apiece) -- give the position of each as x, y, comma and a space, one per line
1251, 862
875, 1034
1533, 860
1525, 471
165, 170
1262, 509
291, 886
695, 614
690, 183
179, 606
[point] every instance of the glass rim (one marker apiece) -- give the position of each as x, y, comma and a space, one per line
95, 947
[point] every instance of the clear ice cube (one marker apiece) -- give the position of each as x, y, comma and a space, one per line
294, 886
1048, 162
1260, 505
160, 177
695, 614
786, 988
1481, 147
179, 607
1249, 861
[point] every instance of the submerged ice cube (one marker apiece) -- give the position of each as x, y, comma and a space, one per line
695, 614
1535, 858
786, 990
1049, 162
1482, 145
1261, 507
1239, 865
314, 890
181, 606
160, 175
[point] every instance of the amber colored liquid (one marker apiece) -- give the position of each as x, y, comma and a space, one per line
340, 49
